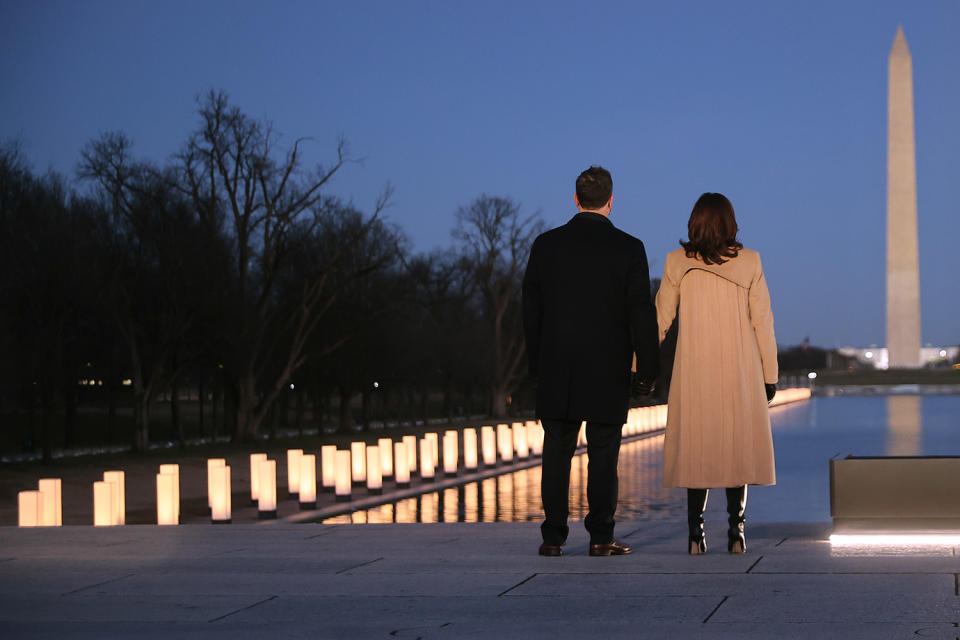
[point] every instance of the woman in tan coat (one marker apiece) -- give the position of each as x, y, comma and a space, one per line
724, 372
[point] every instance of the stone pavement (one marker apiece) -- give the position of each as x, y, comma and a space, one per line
463, 581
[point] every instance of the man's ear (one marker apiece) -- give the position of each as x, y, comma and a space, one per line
576, 200
610, 202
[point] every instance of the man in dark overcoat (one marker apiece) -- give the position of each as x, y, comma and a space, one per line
587, 313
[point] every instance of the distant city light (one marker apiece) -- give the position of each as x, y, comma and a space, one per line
869, 354
943, 353
812, 375
291, 386
127, 382
376, 385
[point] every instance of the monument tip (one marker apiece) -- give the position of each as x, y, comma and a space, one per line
900, 43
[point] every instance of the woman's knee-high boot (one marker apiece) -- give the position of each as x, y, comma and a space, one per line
696, 503
736, 504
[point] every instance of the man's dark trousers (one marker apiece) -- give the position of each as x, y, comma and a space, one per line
603, 449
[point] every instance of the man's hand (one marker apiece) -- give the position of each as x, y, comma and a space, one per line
640, 387
771, 390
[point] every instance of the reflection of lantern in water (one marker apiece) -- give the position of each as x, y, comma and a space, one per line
255, 460
520, 481
119, 509
410, 444
293, 471
385, 445
52, 508
374, 476
267, 490
358, 455
402, 466
451, 503
470, 449
343, 484
328, 466
220, 495
173, 469
489, 446
471, 503
488, 500
505, 442
308, 481
520, 444
166, 499
505, 496
450, 453
29, 508
427, 464
428, 507
407, 510
358, 517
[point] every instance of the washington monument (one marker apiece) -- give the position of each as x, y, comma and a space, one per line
903, 270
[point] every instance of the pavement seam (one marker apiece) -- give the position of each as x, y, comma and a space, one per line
956, 584
226, 615
519, 584
324, 533
99, 584
781, 542
725, 598
362, 564
754, 564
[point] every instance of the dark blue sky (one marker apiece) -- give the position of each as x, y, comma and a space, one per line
779, 105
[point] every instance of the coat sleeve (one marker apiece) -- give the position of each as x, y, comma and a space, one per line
532, 310
761, 317
668, 297
642, 317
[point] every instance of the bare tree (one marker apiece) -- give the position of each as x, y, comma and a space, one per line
495, 237
234, 172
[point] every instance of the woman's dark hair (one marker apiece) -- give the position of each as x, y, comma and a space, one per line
712, 230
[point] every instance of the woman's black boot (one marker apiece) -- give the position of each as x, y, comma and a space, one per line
736, 504
696, 503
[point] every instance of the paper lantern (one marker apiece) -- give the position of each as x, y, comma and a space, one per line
255, 460
220, 494
520, 443
328, 466
582, 436
293, 471
267, 491
434, 441
386, 456
358, 457
52, 514
167, 499
410, 444
471, 502
505, 442
174, 470
212, 463
103, 504
30, 508
489, 446
343, 484
450, 454
427, 464
402, 467
470, 449
535, 436
374, 476
308, 481
119, 514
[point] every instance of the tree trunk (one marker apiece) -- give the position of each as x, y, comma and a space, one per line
113, 373
365, 409
346, 423
499, 408
69, 414
46, 417
176, 435
298, 418
200, 403
141, 419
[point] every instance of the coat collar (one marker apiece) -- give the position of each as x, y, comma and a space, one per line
588, 216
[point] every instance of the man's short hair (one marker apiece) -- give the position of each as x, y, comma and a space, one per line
594, 188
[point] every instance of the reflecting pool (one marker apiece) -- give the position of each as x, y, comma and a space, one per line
806, 435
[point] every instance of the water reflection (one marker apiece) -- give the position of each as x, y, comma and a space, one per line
515, 497
904, 425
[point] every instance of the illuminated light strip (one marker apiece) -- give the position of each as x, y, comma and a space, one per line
878, 539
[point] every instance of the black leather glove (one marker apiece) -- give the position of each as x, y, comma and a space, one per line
771, 391
639, 386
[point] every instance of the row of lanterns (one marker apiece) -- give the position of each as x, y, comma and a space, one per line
341, 471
